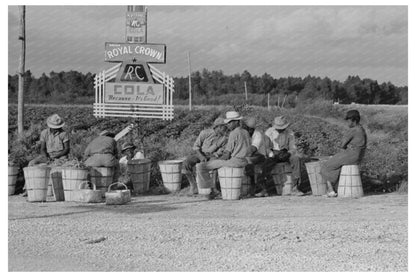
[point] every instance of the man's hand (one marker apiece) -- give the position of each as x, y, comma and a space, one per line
225, 156
201, 156
251, 150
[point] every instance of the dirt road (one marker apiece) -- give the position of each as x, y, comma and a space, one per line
172, 233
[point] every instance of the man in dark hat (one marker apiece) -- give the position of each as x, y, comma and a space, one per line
209, 144
54, 142
127, 150
353, 146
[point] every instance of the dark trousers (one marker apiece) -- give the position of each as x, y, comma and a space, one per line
189, 165
281, 157
256, 159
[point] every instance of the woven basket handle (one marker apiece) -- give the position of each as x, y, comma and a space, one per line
87, 182
116, 183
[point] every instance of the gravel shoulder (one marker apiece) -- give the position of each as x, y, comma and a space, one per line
178, 233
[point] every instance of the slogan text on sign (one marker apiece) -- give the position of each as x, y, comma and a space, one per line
116, 52
133, 93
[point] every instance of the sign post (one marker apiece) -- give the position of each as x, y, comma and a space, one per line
133, 87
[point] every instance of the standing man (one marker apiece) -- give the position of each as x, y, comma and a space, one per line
284, 150
209, 145
54, 142
235, 151
258, 151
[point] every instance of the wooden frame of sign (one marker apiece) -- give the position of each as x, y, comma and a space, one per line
133, 87
105, 107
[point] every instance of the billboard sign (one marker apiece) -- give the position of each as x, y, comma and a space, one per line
135, 26
133, 93
151, 53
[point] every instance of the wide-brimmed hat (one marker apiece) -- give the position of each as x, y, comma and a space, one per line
232, 115
251, 122
127, 145
55, 122
280, 122
218, 122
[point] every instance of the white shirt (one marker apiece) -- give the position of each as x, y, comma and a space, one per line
284, 140
259, 140
137, 156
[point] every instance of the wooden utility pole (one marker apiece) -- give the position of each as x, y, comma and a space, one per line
190, 83
268, 101
21, 82
245, 88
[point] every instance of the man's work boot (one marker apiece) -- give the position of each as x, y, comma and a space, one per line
213, 194
262, 193
24, 194
295, 191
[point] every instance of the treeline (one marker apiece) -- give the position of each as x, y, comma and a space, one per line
76, 87
62, 87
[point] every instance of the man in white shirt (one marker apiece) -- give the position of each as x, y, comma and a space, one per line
284, 150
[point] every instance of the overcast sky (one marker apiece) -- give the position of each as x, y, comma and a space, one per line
281, 40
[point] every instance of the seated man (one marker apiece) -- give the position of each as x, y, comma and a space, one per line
257, 152
284, 150
235, 151
209, 144
54, 142
102, 152
127, 151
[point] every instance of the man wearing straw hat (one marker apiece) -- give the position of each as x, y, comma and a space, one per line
54, 142
284, 150
209, 145
235, 150
258, 151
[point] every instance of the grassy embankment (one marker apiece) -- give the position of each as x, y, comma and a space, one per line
319, 127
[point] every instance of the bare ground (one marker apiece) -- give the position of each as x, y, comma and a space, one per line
173, 233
